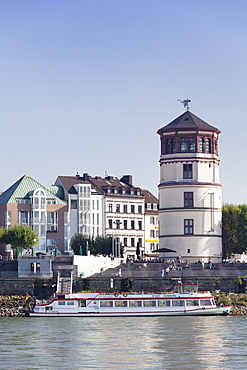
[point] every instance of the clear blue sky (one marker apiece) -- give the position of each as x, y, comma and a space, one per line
85, 85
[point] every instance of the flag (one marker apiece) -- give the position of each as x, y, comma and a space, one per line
27, 296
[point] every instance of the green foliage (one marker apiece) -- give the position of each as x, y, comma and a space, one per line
234, 228
222, 298
98, 245
2, 236
19, 236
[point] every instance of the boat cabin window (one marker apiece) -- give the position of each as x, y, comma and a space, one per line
192, 302
82, 303
135, 303
106, 303
164, 303
70, 303
149, 303
205, 302
61, 296
178, 303
49, 308
120, 303
61, 303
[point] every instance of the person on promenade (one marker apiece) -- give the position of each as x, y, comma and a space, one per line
167, 271
162, 273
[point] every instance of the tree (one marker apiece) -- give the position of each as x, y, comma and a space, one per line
234, 228
20, 236
97, 245
79, 240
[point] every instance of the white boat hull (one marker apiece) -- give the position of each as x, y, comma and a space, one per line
195, 312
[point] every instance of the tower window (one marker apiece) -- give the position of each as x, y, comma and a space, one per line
173, 146
201, 145
191, 145
188, 227
188, 200
183, 145
208, 146
187, 171
168, 146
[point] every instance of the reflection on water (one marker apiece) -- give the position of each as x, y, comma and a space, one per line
124, 343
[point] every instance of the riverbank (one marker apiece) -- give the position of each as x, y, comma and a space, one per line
15, 306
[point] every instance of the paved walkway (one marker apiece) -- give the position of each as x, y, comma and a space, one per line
154, 270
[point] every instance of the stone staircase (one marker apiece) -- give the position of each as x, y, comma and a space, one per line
64, 285
154, 269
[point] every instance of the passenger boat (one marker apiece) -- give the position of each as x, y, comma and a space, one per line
184, 300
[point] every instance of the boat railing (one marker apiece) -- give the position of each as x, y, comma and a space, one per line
183, 288
44, 301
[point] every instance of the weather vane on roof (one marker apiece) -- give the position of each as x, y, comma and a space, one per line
185, 103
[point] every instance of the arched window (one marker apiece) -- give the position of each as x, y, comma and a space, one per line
201, 145
183, 145
208, 146
173, 146
191, 145
168, 146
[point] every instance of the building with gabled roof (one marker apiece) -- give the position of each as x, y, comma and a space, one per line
107, 206
29, 203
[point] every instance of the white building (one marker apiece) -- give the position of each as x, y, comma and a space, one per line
190, 195
151, 222
110, 207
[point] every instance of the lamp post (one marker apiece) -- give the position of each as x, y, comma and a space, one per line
117, 223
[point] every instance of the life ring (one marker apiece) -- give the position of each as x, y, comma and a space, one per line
125, 294
116, 294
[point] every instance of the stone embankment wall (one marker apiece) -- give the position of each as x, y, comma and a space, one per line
44, 288
104, 284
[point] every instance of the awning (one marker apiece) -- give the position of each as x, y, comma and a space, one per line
164, 250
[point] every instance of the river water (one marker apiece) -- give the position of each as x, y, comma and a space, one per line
124, 343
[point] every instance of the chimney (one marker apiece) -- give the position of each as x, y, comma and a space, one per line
127, 179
